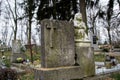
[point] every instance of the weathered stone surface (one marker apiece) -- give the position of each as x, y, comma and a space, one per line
16, 51
57, 42
80, 27
16, 46
61, 73
85, 57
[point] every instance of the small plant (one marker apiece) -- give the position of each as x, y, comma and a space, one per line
7, 63
20, 60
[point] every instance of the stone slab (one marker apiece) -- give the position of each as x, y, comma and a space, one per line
104, 70
16, 46
57, 43
61, 73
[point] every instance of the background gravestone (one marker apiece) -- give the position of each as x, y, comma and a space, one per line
16, 51
57, 42
16, 45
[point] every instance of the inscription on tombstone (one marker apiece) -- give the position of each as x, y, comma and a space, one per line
57, 42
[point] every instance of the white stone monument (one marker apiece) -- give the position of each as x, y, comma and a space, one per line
83, 50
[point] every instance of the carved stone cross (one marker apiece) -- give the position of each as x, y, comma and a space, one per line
51, 27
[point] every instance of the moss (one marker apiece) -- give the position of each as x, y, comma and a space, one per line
53, 59
78, 35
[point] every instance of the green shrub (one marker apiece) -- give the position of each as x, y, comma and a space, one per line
7, 62
8, 74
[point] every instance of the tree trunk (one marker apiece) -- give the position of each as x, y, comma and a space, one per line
29, 39
30, 28
15, 21
83, 12
109, 35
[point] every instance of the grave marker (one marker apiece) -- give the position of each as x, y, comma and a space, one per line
57, 43
66, 51
16, 51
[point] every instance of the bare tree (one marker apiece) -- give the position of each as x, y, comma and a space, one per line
83, 10
14, 16
29, 8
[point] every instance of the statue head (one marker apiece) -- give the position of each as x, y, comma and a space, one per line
78, 17
78, 22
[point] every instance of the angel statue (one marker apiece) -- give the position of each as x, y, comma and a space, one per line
80, 28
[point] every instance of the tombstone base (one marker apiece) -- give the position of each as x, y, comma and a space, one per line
85, 57
14, 56
61, 73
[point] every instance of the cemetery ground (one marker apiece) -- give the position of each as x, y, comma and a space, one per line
27, 73
99, 56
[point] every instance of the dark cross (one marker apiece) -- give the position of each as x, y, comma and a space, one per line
94, 39
52, 28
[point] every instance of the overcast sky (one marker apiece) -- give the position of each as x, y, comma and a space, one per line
3, 23
9, 22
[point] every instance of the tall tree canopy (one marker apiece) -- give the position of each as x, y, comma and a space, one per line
57, 9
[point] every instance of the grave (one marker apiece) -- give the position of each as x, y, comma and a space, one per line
66, 51
16, 51
57, 43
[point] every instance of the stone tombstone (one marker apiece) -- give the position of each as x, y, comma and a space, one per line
16, 46
83, 49
16, 51
57, 42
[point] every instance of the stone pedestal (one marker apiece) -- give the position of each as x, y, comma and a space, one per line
60, 73
85, 57
83, 49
